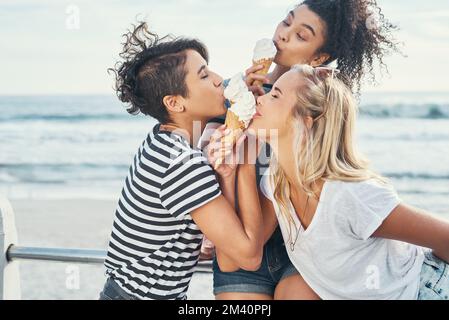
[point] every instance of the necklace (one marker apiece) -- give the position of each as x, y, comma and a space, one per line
292, 244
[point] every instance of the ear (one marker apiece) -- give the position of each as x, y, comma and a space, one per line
308, 121
173, 103
320, 59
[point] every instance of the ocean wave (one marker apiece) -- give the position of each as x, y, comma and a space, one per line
416, 176
63, 117
431, 111
414, 111
107, 108
58, 166
46, 173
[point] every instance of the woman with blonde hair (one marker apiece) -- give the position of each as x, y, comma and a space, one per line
346, 230
356, 36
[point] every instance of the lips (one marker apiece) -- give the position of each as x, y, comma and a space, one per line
277, 46
257, 114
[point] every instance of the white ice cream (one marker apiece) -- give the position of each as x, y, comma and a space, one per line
265, 49
245, 107
235, 88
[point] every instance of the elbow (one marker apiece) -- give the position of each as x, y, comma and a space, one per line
251, 258
226, 265
253, 262
228, 268
244, 262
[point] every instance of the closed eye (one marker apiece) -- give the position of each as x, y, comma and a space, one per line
205, 76
285, 23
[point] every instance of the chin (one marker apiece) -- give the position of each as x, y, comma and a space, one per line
221, 110
252, 128
279, 61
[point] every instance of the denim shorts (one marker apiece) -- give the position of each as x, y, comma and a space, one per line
275, 266
434, 284
112, 291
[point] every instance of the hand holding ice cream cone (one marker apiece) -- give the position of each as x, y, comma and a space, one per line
239, 115
224, 156
243, 102
264, 54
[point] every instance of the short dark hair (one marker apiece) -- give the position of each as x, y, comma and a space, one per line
351, 41
152, 68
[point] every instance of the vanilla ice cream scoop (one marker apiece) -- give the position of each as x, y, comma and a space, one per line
245, 107
264, 54
235, 88
265, 49
242, 110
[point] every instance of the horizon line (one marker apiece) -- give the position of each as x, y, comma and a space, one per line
98, 94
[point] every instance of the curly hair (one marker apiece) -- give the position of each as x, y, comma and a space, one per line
152, 68
357, 36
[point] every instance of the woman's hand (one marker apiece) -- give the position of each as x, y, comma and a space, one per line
251, 77
227, 153
207, 250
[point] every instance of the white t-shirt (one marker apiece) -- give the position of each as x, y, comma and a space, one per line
336, 254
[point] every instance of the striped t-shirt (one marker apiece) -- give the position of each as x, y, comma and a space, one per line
155, 245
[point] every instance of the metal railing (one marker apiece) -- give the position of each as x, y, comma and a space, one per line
12, 253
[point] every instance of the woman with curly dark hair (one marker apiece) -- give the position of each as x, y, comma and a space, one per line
354, 35
172, 196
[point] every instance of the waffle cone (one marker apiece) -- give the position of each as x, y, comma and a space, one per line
266, 67
237, 127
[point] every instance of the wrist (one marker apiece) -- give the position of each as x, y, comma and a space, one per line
226, 179
247, 169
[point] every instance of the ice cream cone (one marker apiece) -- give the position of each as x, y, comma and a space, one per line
266, 67
238, 118
237, 127
264, 54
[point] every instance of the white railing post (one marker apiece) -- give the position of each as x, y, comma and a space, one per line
9, 270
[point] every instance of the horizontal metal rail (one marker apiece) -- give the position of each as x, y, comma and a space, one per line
87, 256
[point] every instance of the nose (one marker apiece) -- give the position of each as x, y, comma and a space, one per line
218, 80
283, 35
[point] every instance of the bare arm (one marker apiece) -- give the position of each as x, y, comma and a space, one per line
226, 263
248, 202
270, 221
239, 238
412, 225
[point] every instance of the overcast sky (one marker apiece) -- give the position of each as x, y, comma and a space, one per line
44, 52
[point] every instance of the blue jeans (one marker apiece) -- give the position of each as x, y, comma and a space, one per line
275, 266
434, 284
112, 291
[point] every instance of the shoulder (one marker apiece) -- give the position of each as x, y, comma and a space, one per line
165, 144
187, 161
364, 205
369, 190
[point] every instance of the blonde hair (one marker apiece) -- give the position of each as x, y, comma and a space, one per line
326, 150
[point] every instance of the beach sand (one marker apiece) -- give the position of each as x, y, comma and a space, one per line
74, 223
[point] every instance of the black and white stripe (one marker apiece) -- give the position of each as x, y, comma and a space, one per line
154, 244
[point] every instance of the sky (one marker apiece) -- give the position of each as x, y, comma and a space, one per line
65, 47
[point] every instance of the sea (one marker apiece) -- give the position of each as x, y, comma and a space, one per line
80, 147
